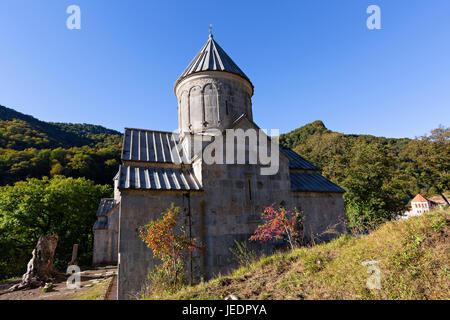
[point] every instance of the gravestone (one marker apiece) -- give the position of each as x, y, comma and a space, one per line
74, 255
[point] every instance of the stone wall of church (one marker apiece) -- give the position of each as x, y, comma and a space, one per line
212, 100
236, 196
106, 241
323, 211
136, 210
99, 252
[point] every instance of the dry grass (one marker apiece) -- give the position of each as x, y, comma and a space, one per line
92, 293
413, 259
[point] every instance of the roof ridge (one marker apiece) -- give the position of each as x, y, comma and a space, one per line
297, 161
150, 130
419, 198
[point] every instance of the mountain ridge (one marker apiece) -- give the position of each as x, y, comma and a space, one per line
31, 148
19, 131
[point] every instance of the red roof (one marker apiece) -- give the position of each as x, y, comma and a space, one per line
419, 198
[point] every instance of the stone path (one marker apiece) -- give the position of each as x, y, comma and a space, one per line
112, 295
89, 278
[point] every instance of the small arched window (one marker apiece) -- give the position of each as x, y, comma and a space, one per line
210, 97
196, 116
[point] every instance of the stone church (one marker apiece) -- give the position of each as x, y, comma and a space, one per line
219, 202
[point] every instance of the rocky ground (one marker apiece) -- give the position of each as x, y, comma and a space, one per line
93, 283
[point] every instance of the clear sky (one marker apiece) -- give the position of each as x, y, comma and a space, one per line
308, 60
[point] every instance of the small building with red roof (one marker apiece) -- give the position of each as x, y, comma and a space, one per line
420, 204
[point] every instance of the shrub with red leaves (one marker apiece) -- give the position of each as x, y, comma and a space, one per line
279, 224
169, 242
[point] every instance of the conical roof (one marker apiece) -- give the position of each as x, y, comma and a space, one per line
212, 58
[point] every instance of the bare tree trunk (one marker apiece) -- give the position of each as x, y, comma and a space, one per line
445, 199
40, 268
289, 238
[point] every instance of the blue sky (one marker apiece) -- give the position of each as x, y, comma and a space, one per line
308, 60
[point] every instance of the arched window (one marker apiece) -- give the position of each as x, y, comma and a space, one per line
196, 107
185, 114
211, 108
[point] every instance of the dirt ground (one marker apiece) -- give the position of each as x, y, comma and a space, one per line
92, 283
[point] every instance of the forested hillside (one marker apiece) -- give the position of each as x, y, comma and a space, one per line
19, 131
80, 161
30, 148
380, 175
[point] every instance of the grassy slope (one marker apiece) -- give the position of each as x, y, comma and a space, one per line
413, 257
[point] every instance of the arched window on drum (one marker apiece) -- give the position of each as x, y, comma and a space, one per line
196, 108
184, 113
211, 107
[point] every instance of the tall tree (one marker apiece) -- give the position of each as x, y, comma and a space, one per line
374, 192
430, 156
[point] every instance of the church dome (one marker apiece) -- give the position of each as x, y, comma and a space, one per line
212, 58
212, 92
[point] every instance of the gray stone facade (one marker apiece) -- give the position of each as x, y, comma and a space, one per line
219, 203
106, 233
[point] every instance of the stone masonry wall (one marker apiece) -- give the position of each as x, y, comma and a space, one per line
106, 241
212, 100
135, 259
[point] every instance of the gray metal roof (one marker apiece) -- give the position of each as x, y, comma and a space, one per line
101, 223
296, 161
132, 177
151, 146
212, 58
106, 204
312, 181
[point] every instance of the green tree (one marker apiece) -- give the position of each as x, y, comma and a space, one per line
34, 208
430, 157
374, 192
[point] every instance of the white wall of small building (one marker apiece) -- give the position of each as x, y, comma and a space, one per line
420, 207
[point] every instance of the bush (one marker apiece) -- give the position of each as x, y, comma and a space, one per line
279, 224
243, 254
171, 244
